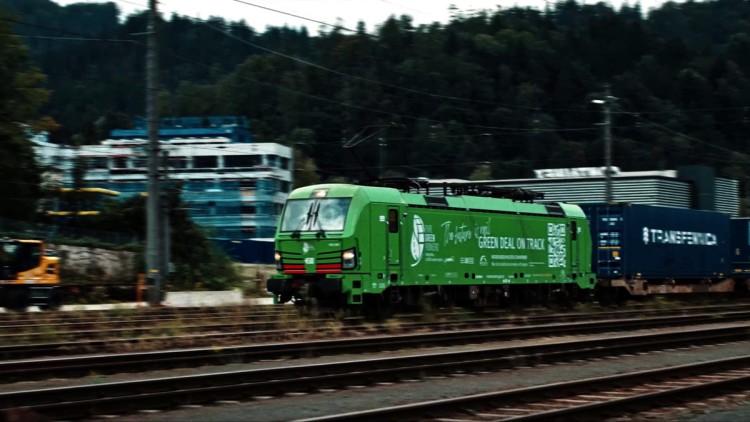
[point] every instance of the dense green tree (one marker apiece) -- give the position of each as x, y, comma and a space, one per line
512, 87
21, 95
198, 262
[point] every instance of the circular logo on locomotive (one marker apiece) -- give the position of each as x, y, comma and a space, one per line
417, 240
645, 235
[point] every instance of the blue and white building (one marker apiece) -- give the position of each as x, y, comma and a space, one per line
232, 186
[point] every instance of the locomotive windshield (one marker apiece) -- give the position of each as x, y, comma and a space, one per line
315, 214
19, 256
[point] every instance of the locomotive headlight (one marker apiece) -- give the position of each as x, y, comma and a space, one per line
349, 259
277, 258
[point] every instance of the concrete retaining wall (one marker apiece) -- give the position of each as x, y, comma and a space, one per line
106, 264
212, 298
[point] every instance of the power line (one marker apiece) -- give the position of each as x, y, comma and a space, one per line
675, 132
432, 96
512, 130
410, 90
43, 37
308, 63
295, 16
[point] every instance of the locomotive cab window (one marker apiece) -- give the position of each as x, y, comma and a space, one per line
573, 230
19, 256
393, 221
315, 214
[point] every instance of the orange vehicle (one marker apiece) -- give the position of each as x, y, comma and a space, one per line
29, 275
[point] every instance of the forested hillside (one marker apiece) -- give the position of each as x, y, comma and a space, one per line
512, 87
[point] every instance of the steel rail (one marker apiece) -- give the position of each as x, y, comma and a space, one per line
122, 397
165, 311
13, 349
137, 319
76, 329
29, 369
574, 399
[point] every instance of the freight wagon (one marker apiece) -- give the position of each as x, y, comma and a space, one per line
640, 250
401, 243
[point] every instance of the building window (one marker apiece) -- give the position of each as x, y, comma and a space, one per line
205, 161
211, 207
178, 162
284, 163
120, 163
98, 163
139, 163
241, 160
226, 210
247, 209
247, 184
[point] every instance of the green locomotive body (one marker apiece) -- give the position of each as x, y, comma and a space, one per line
372, 245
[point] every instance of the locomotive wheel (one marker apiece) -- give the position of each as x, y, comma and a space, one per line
565, 297
54, 302
741, 289
17, 300
376, 307
609, 296
621, 296
606, 296
518, 297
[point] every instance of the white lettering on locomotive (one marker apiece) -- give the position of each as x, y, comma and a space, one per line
455, 235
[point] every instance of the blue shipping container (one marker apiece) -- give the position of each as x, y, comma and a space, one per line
741, 245
657, 243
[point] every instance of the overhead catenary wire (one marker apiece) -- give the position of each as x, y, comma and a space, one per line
540, 109
430, 95
311, 96
510, 130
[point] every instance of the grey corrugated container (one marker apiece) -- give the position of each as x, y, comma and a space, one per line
658, 243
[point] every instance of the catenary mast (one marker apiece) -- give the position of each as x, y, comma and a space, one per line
153, 229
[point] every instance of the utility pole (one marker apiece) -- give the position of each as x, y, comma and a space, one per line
607, 145
165, 224
153, 202
607, 124
382, 143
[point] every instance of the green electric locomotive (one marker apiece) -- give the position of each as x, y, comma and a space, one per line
399, 243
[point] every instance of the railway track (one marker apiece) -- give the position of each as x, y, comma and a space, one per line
94, 400
53, 343
144, 316
582, 400
138, 317
442, 334
153, 313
